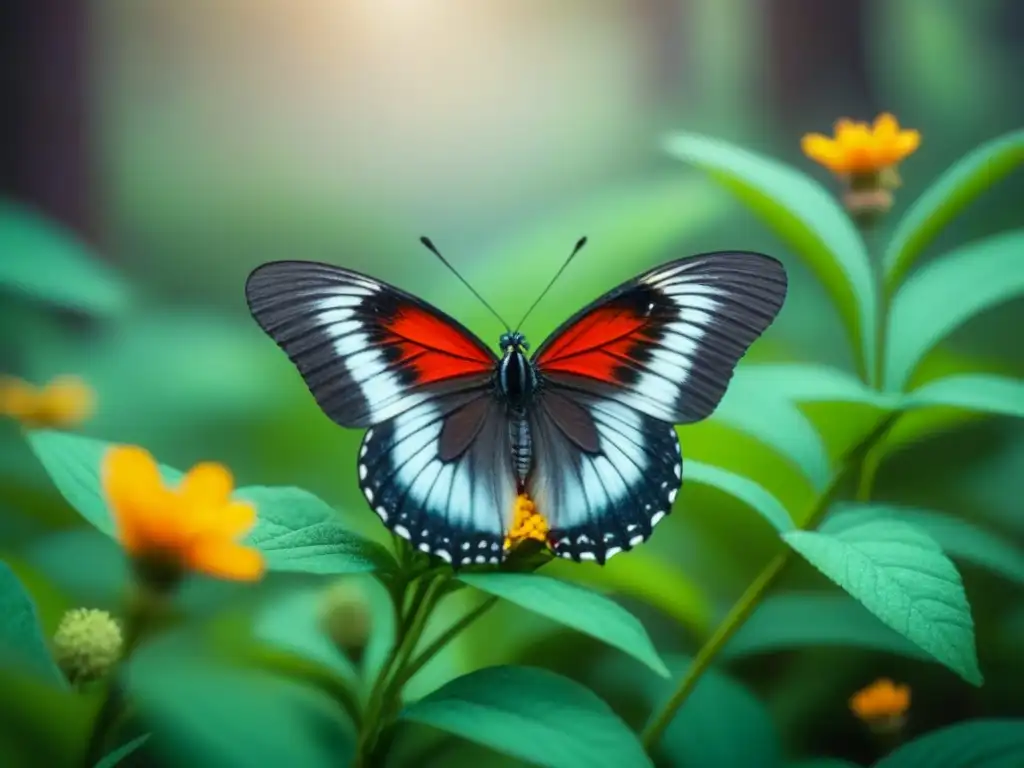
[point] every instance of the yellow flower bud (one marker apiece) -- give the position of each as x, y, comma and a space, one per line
87, 644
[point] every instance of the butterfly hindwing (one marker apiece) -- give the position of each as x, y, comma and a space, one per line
604, 474
367, 351
439, 475
667, 342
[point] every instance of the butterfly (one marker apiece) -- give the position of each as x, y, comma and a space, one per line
585, 426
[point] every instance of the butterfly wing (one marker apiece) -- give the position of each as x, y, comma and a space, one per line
439, 475
367, 351
654, 352
604, 474
374, 356
667, 342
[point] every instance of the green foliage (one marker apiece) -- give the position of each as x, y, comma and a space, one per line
574, 606
971, 744
42, 262
997, 395
947, 293
722, 723
296, 530
116, 757
31, 708
946, 198
20, 633
805, 216
902, 576
533, 714
744, 489
792, 621
203, 712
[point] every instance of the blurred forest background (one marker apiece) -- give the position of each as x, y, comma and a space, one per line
183, 142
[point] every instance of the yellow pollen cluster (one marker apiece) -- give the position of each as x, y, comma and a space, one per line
527, 523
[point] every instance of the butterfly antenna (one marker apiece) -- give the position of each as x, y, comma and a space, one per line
430, 247
579, 247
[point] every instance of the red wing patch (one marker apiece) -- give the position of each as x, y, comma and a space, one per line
667, 343
367, 350
435, 349
597, 344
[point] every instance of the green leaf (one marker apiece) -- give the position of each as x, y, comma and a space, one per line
807, 383
299, 532
531, 714
203, 712
742, 488
945, 294
74, 463
995, 743
976, 392
957, 188
646, 577
114, 758
576, 607
293, 622
721, 723
902, 576
295, 529
20, 632
43, 261
824, 762
41, 724
789, 621
779, 424
960, 539
806, 217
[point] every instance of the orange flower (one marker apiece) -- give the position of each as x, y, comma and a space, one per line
527, 523
64, 402
882, 702
858, 148
193, 527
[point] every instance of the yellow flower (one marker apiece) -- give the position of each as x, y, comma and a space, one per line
859, 148
883, 703
527, 523
65, 402
193, 527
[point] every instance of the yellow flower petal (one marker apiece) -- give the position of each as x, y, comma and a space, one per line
225, 560
66, 401
886, 127
207, 485
236, 519
134, 491
824, 151
18, 399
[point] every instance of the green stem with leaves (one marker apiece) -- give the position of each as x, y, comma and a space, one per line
144, 609
751, 598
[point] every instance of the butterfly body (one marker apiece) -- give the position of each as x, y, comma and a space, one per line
585, 426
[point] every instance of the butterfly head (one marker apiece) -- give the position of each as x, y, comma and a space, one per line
513, 340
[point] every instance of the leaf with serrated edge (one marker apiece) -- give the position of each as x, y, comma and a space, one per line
902, 576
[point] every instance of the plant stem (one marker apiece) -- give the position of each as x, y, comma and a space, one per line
143, 607
750, 599
441, 641
410, 630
